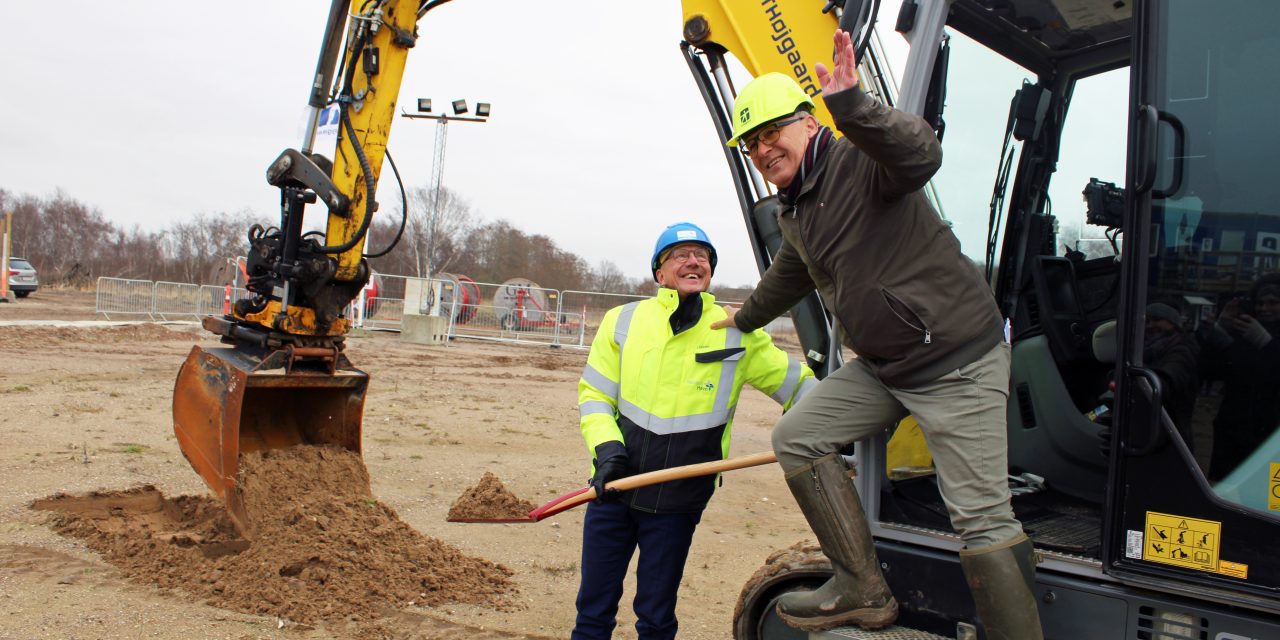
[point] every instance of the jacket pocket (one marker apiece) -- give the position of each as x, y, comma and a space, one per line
907, 315
719, 355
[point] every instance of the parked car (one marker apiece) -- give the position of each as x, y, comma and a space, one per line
22, 277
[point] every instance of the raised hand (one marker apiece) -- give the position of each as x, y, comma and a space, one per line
844, 74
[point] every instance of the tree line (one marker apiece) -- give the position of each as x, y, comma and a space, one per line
73, 243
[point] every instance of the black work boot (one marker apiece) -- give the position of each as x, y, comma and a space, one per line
857, 593
1001, 578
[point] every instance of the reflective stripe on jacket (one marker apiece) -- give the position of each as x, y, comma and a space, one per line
670, 398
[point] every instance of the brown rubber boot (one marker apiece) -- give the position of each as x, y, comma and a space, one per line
1001, 578
857, 593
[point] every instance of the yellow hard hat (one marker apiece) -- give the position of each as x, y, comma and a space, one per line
765, 99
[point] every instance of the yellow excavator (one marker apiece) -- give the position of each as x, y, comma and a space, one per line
282, 378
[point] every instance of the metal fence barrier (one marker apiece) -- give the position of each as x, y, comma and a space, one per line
171, 300
123, 297
493, 322
514, 311
217, 300
383, 313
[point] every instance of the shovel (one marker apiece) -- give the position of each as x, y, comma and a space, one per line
588, 493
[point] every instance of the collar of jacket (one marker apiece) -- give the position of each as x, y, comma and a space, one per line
670, 299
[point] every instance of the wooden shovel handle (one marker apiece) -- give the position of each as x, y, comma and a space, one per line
690, 471
569, 501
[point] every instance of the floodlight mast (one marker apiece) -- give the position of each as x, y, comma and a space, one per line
437, 163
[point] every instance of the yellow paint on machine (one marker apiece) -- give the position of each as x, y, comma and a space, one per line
786, 36
1273, 491
1190, 543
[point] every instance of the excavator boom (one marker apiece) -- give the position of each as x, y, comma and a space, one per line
284, 380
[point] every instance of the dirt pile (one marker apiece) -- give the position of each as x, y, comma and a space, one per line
323, 548
488, 500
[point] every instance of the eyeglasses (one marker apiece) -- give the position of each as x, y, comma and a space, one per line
768, 135
683, 255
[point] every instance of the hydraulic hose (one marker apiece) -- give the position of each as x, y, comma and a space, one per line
404, 212
366, 169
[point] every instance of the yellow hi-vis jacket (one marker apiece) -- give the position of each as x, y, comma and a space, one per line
670, 398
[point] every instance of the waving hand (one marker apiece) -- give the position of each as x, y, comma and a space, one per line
844, 75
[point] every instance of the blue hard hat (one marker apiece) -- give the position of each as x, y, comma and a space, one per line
680, 233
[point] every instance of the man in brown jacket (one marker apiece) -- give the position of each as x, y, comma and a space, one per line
925, 328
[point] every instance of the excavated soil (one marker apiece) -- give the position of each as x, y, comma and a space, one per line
323, 548
488, 500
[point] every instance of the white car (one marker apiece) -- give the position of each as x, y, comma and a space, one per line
22, 277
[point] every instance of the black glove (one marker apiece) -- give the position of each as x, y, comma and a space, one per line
611, 464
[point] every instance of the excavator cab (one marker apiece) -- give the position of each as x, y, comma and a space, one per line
283, 380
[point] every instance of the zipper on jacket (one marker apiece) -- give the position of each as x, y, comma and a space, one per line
928, 335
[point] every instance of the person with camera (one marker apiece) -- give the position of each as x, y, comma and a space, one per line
1242, 352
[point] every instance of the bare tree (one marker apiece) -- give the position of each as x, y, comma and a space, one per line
608, 277
72, 241
433, 228
60, 235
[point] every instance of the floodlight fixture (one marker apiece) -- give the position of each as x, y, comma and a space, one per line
482, 109
459, 107
424, 105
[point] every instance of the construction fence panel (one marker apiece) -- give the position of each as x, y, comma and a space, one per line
175, 299
122, 296
389, 286
499, 323
216, 300
379, 304
383, 313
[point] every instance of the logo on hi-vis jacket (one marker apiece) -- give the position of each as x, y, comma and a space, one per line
703, 385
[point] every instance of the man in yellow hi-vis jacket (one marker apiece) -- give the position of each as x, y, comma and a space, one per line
659, 391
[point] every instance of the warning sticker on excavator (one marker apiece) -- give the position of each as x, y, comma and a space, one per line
1182, 542
1233, 569
1273, 497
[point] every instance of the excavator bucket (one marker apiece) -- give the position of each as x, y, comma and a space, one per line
231, 401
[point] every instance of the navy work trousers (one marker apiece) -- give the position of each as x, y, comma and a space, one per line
610, 534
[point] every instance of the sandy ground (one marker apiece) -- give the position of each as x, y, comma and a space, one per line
89, 409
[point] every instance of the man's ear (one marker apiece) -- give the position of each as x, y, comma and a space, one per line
811, 125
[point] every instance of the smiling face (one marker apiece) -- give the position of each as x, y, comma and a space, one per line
779, 161
1266, 307
686, 268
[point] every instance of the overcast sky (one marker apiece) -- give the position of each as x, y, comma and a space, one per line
154, 112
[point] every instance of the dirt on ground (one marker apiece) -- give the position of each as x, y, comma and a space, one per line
489, 500
126, 541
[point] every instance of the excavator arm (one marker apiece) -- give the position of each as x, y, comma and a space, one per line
284, 380
300, 284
